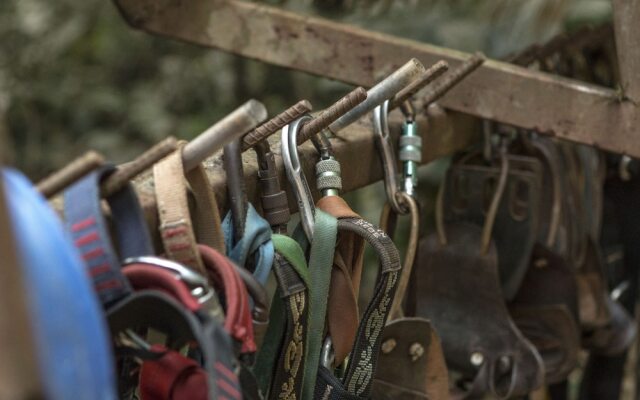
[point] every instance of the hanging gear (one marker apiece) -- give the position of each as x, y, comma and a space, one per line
57, 279
402, 374
479, 338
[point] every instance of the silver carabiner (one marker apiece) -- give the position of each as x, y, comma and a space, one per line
295, 174
198, 285
387, 155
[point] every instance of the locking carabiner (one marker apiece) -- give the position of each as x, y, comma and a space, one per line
296, 176
385, 148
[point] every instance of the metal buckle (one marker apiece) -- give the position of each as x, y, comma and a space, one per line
198, 285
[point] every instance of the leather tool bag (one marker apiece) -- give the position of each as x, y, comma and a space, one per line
411, 363
545, 308
357, 381
468, 191
546, 312
460, 293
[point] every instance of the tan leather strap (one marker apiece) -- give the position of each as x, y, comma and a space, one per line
343, 314
410, 254
176, 227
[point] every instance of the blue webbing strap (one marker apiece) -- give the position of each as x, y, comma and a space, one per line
255, 243
88, 228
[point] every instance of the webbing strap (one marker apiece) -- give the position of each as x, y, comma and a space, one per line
173, 377
175, 222
342, 312
88, 228
228, 283
320, 264
282, 355
255, 248
175, 225
364, 356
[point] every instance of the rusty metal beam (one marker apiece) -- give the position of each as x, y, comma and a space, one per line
444, 135
499, 91
626, 15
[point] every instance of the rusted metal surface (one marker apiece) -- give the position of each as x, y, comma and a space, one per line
498, 91
276, 123
453, 78
442, 135
19, 377
626, 15
329, 116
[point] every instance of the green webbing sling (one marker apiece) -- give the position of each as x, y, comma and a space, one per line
288, 310
275, 361
325, 231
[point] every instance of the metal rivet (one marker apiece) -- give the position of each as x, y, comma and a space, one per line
416, 351
388, 346
541, 263
477, 359
505, 363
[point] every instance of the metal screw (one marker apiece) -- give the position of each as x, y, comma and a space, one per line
505, 363
331, 114
276, 123
130, 170
416, 351
70, 173
454, 77
477, 359
388, 346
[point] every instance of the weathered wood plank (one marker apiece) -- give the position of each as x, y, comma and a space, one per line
499, 91
626, 16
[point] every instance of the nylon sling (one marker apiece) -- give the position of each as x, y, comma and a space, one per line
358, 379
282, 355
343, 313
255, 248
177, 230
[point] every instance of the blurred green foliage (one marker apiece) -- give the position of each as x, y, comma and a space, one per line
74, 76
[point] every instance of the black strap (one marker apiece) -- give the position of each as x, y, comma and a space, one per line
358, 379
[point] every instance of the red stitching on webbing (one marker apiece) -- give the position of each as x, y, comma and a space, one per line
85, 223
90, 255
179, 246
220, 367
88, 238
228, 388
99, 269
110, 284
171, 232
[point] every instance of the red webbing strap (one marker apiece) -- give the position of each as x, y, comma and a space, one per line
238, 320
172, 377
144, 276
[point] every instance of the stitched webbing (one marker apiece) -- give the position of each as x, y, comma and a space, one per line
88, 227
342, 312
176, 226
320, 265
363, 360
279, 363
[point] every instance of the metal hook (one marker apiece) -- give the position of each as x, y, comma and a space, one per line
385, 149
236, 187
296, 175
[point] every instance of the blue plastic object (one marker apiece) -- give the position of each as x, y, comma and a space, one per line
73, 344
